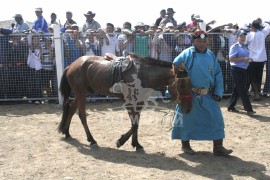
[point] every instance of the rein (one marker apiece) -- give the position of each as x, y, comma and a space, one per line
184, 98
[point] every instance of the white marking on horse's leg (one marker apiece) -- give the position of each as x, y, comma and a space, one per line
134, 119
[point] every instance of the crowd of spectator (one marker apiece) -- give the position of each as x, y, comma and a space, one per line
30, 50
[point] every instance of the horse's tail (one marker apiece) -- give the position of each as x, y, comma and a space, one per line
65, 90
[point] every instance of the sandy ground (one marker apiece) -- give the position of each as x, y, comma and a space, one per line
31, 147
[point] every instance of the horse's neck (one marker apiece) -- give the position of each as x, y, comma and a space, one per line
158, 78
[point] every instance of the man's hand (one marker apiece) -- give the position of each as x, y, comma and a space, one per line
217, 98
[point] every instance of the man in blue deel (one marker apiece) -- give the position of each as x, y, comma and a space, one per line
205, 121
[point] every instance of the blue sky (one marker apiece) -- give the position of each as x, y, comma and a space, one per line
119, 11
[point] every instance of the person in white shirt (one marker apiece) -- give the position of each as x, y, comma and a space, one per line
91, 44
53, 19
34, 70
109, 40
256, 44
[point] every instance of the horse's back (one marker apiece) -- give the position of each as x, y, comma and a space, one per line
84, 62
90, 72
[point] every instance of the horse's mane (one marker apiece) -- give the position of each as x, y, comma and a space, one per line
150, 60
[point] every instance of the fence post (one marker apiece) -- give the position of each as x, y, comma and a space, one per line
59, 58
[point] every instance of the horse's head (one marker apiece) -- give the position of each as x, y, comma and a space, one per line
181, 88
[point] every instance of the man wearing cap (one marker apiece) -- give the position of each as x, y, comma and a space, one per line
205, 121
40, 25
90, 22
239, 61
69, 20
256, 44
20, 25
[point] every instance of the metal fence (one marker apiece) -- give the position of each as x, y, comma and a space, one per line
22, 82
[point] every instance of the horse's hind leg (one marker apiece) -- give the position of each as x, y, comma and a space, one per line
82, 115
72, 110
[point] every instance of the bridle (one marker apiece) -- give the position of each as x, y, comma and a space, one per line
180, 76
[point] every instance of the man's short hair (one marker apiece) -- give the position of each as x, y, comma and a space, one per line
127, 23
110, 24
69, 12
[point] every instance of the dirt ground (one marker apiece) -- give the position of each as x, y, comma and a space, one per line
31, 147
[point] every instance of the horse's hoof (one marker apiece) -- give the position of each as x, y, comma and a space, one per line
118, 145
94, 146
140, 150
68, 138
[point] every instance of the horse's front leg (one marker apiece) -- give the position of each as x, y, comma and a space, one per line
135, 125
126, 136
135, 143
82, 115
134, 132
134, 115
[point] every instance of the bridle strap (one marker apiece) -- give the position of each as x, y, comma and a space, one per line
187, 97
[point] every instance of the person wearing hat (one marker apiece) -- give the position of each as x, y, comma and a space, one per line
90, 22
205, 120
40, 25
69, 20
256, 43
181, 27
169, 18
142, 41
239, 61
20, 25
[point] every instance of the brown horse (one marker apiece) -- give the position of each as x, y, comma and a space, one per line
89, 74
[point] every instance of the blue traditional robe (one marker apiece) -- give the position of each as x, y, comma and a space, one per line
205, 121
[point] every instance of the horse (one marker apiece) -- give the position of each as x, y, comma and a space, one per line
96, 74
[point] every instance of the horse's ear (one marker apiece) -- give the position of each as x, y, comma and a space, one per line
183, 65
175, 68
